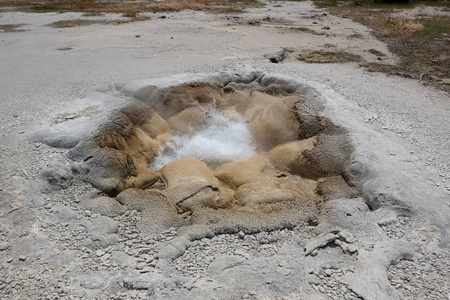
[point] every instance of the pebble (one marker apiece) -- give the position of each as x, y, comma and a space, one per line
4, 246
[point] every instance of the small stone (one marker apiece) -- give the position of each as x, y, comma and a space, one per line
241, 234
241, 253
4, 246
22, 258
352, 248
313, 280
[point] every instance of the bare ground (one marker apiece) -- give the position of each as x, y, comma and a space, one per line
46, 69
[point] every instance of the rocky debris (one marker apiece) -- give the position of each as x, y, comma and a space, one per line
343, 239
328, 280
396, 228
202, 255
426, 276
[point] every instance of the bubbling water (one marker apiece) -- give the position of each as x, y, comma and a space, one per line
220, 140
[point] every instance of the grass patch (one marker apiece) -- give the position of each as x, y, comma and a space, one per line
123, 6
93, 14
422, 44
11, 27
436, 27
376, 52
303, 29
355, 36
74, 23
327, 57
84, 22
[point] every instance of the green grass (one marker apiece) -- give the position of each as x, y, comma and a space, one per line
436, 27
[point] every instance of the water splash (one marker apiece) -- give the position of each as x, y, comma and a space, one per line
220, 140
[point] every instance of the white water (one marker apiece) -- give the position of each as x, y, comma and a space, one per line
221, 140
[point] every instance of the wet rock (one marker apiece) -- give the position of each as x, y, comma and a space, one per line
190, 183
188, 120
237, 173
116, 157
289, 158
276, 124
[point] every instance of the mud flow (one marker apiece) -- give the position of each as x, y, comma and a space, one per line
220, 157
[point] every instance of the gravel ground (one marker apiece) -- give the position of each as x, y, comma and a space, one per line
52, 245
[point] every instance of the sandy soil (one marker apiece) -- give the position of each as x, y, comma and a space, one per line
45, 69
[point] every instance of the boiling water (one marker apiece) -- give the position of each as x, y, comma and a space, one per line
219, 141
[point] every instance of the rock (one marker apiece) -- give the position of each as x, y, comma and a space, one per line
116, 157
346, 236
249, 105
262, 192
242, 253
275, 192
189, 183
276, 124
171, 100
220, 263
187, 171
58, 176
174, 249
188, 121
158, 213
279, 56
105, 206
94, 281
4, 246
240, 172
319, 242
314, 280
289, 158
335, 187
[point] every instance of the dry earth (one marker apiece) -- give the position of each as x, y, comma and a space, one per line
54, 244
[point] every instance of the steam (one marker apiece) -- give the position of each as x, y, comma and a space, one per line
219, 141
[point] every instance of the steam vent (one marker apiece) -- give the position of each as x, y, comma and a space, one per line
229, 186
220, 156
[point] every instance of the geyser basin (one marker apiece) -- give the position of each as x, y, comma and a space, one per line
222, 154
314, 156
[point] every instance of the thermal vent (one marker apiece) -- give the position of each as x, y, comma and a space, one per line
223, 156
